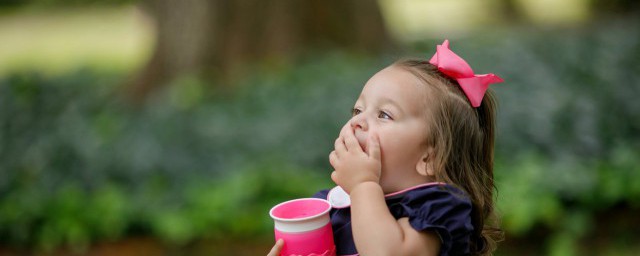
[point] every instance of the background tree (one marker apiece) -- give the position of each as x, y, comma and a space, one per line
510, 11
616, 6
214, 37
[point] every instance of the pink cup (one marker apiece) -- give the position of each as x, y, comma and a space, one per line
305, 227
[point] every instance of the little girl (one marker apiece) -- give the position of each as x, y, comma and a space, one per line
416, 159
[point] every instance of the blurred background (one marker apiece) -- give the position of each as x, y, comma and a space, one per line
141, 127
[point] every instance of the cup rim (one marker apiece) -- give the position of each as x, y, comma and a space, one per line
303, 218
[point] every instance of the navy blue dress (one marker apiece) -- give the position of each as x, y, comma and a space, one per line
436, 207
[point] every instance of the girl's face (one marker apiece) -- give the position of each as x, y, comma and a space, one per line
392, 105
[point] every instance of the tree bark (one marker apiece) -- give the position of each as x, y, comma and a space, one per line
510, 11
216, 38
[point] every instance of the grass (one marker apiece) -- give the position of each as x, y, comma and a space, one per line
61, 40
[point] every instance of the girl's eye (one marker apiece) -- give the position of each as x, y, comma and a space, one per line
384, 115
355, 111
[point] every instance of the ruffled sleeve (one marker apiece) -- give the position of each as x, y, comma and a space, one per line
443, 209
322, 194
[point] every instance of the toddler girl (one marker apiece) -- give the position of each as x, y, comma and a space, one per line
416, 159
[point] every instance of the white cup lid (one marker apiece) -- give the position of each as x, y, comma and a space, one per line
338, 198
301, 215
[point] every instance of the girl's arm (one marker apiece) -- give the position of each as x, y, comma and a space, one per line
376, 232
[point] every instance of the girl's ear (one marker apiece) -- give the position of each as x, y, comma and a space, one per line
425, 165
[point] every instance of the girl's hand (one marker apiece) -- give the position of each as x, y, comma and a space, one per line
352, 165
275, 251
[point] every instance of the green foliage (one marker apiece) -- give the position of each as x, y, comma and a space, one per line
68, 140
69, 216
79, 165
568, 131
237, 205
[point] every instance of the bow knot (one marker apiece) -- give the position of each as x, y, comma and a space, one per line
474, 86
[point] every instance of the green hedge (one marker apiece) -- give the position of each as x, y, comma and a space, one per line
82, 165
79, 165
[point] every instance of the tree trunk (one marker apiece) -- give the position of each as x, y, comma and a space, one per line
215, 38
510, 11
616, 7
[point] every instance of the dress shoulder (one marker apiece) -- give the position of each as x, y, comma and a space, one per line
322, 194
443, 209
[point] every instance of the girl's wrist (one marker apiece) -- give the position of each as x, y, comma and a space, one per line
365, 187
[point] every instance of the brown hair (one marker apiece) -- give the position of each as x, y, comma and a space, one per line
463, 139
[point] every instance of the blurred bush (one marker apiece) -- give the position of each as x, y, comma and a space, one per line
569, 129
79, 165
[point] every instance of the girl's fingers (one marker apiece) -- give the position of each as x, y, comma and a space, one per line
339, 145
350, 141
275, 251
334, 177
345, 128
333, 158
374, 147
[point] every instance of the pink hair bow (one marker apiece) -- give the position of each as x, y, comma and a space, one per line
474, 86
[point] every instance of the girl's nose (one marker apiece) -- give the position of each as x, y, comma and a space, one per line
359, 122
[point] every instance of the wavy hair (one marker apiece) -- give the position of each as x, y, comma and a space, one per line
463, 139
